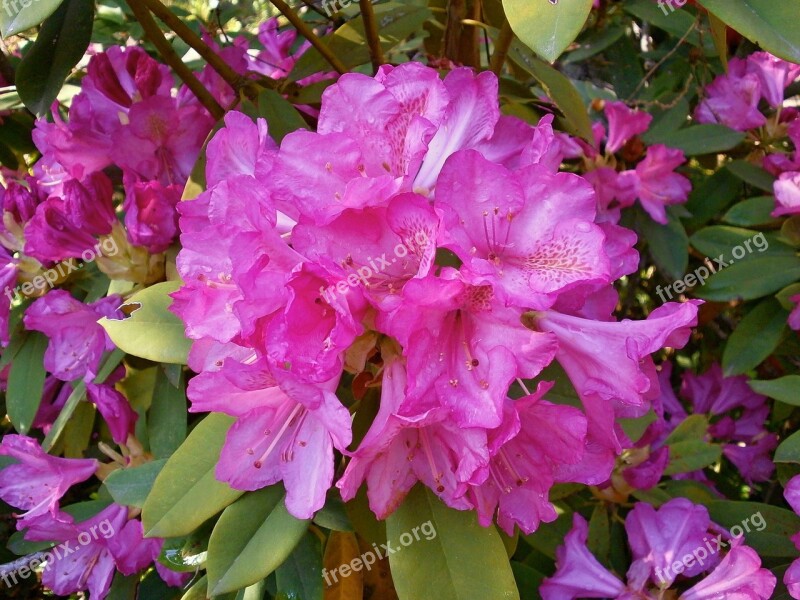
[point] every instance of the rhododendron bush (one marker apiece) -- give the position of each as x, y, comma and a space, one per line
403, 300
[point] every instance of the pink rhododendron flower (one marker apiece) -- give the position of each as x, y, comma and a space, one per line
150, 216
660, 539
412, 232
774, 74
655, 182
77, 342
787, 194
732, 99
37, 481
794, 317
623, 124
115, 408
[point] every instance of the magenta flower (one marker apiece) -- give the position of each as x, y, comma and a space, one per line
378, 241
655, 182
739, 575
623, 124
400, 449
732, 100
116, 410
83, 558
8, 280
792, 576
37, 481
794, 316
67, 226
528, 452
787, 194
150, 216
774, 74
284, 431
579, 574
531, 233
77, 342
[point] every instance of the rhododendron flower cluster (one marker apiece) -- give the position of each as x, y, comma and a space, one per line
492, 266
677, 541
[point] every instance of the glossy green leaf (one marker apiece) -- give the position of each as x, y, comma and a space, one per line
299, 575
752, 174
20, 15
465, 560
252, 538
749, 279
751, 212
785, 389
186, 492
668, 245
59, 46
151, 331
166, 419
722, 241
703, 139
26, 382
770, 24
547, 28
282, 118
769, 526
789, 450
712, 195
755, 338
691, 455
559, 89
130, 487
693, 427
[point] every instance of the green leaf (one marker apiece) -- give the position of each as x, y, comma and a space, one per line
465, 560
772, 25
130, 487
26, 382
722, 240
666, 123
558, 87
711, 196
594, 43
166, 419
770, 526
752, 212
151, 331
668, 245
750, 173
252, 538
753, 278
547, 28
282, 118
693, 427
784, 389
298, 577
676, 22
691, 455
789, 450
349, 43
186, 492
703, 139
756, 337
59, 46
23, 14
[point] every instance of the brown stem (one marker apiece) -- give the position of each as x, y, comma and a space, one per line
171, 57
371, 31
501, 46
7, 569
306, 32
183, 31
